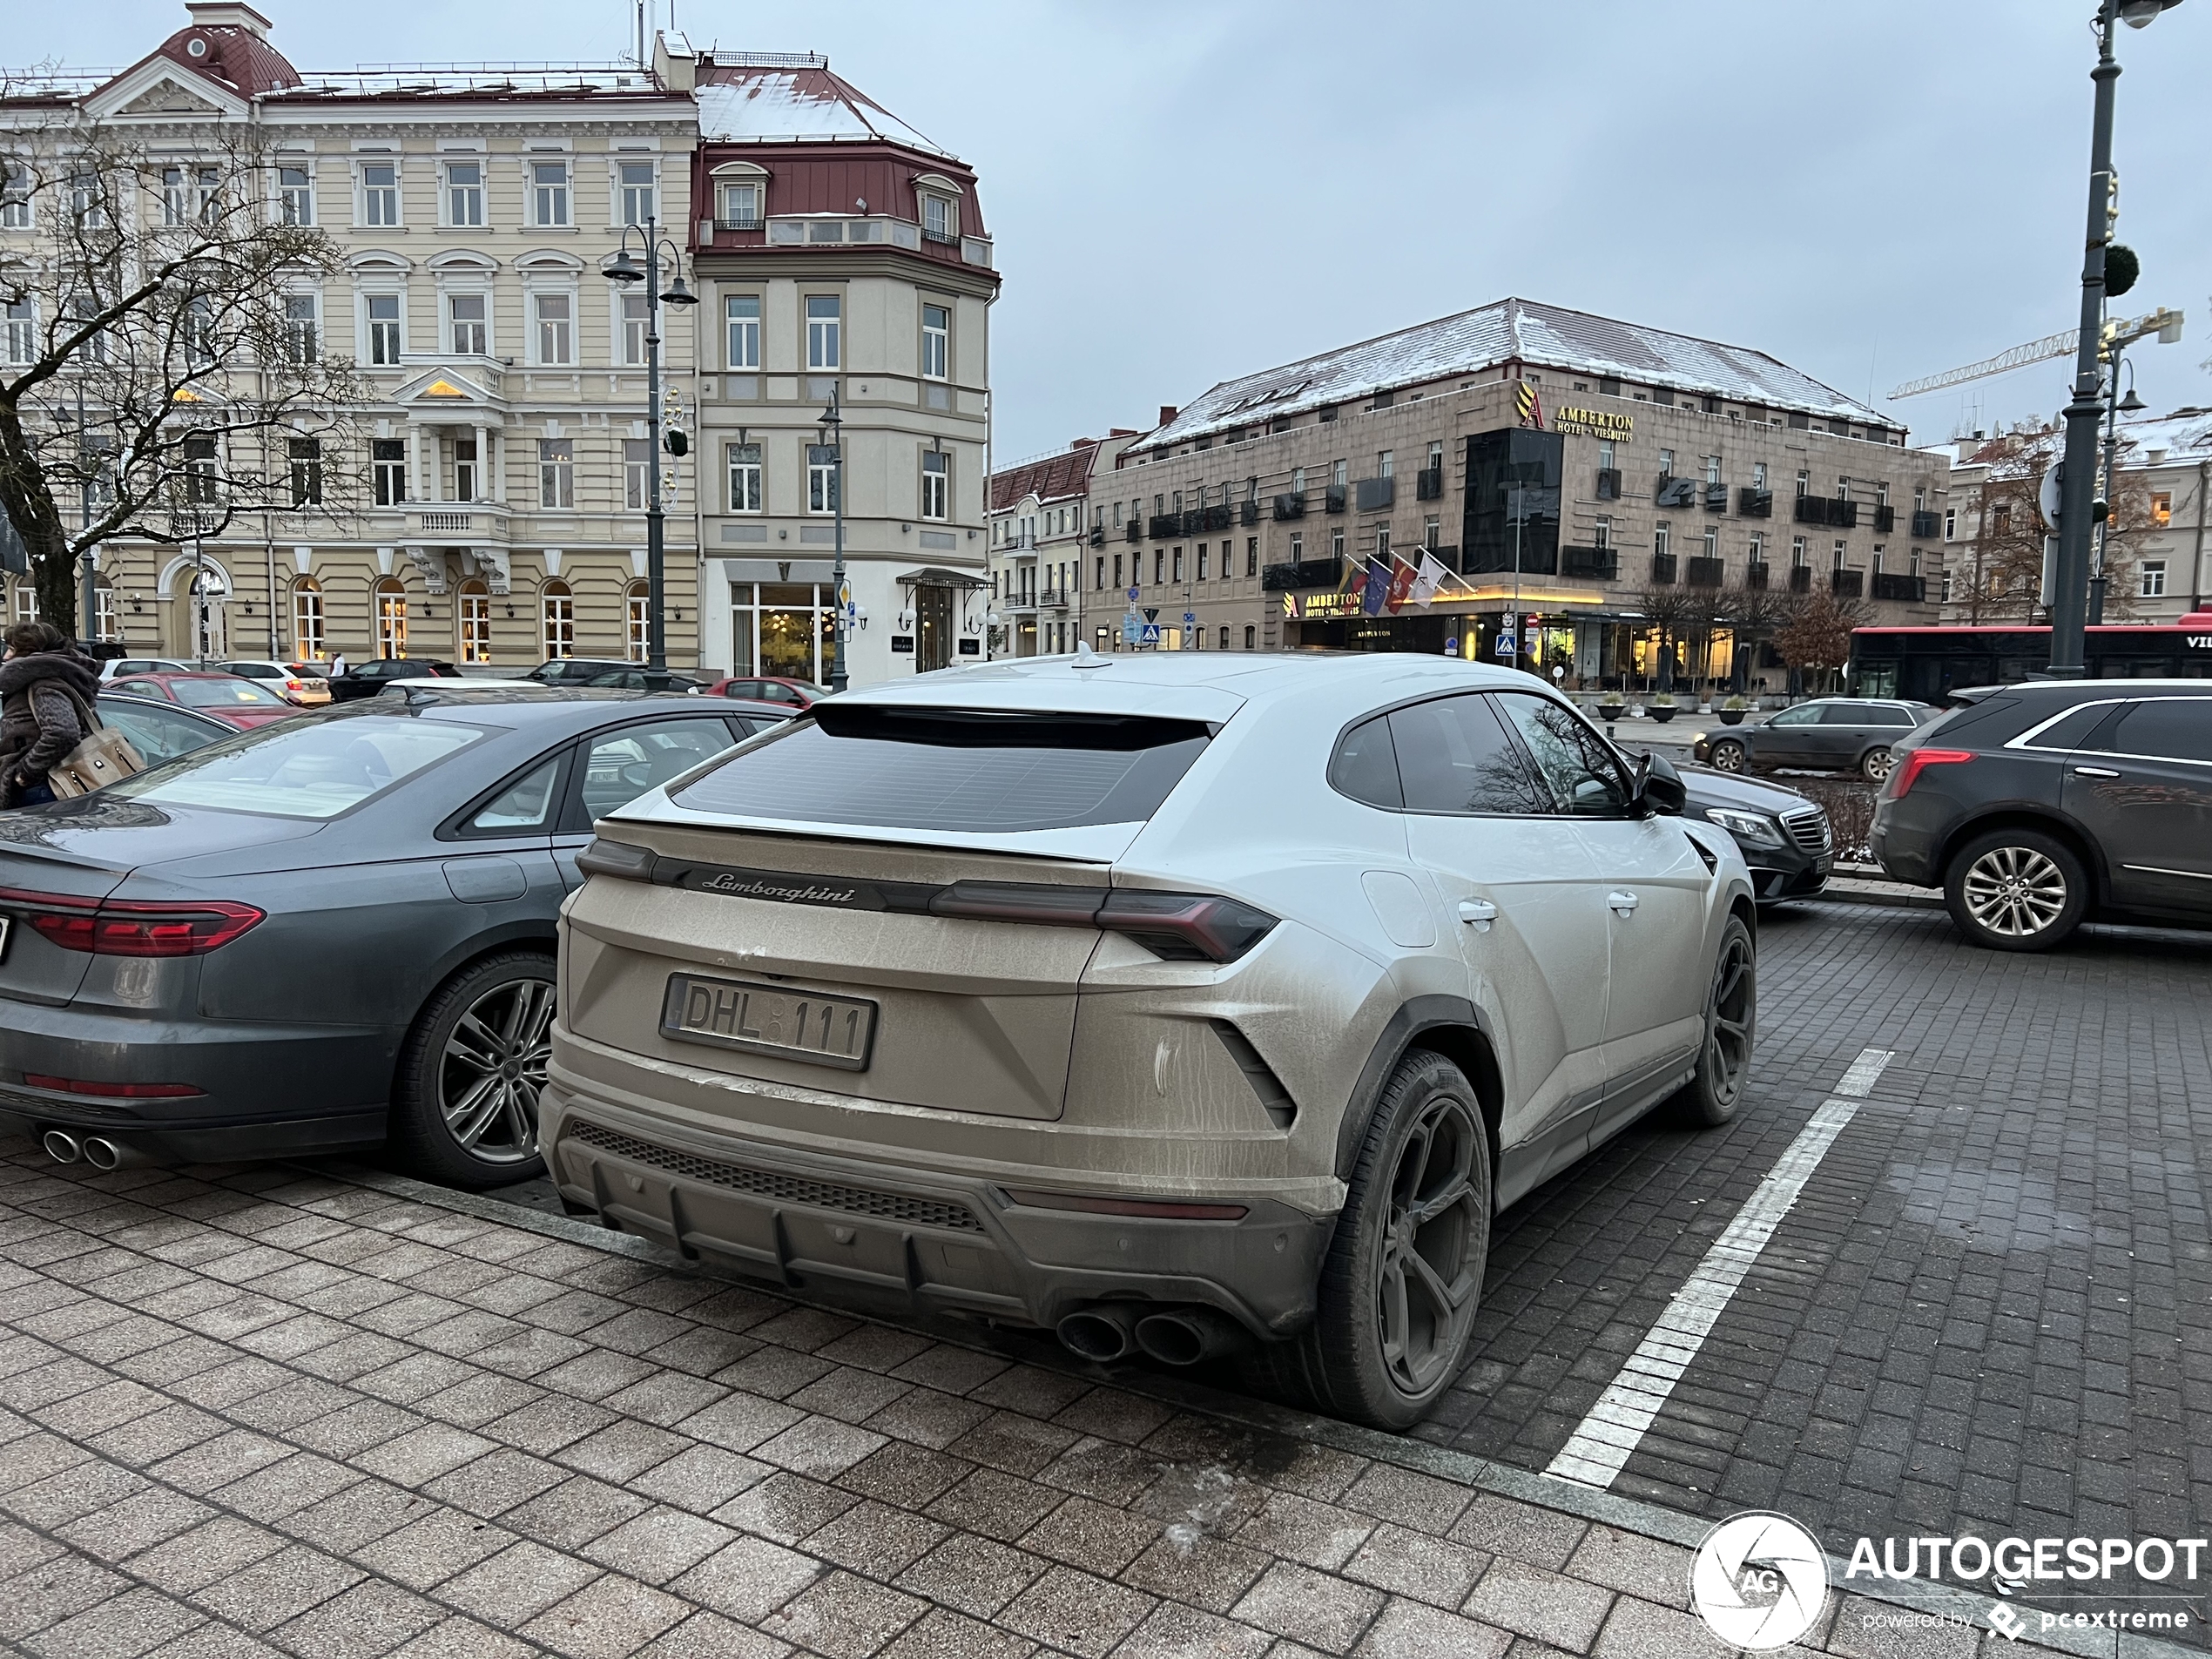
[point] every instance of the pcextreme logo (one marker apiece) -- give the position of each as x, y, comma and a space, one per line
1759, 1580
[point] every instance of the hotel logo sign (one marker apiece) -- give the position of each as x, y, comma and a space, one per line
1595, 423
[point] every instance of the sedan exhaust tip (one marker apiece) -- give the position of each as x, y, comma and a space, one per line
1189, 1335
1098, 1333
61, 1146
105, 1154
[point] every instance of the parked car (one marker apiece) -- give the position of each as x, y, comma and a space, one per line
798, 694
287, 680
606, 672
1785, 839
236, 702
160, 731
115, 665
319, 934
366, 679
2041, 805
1186, 1002
1828, 734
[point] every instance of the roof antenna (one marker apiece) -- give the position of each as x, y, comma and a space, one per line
1086, 657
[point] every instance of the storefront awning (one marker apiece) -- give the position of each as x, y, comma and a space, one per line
934, 576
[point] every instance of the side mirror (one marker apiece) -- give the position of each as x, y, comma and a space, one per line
1659, 786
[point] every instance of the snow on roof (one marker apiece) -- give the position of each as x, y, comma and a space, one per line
1511, 330
746, 103
2185, 435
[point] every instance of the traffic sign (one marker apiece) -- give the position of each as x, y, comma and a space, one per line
1151, 635
1505, 647
1151, 613
1190, 616
1133, 596
1132, 630
1452, 645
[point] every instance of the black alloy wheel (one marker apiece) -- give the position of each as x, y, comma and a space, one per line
1731, 1019
1728, 755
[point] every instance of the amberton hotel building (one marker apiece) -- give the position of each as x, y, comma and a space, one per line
1663, 465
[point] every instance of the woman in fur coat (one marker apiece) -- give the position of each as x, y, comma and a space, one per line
39, 722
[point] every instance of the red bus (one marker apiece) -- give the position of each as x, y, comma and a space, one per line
1923, 665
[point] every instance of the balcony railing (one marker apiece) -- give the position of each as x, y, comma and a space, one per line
1716, 498
1925, 524
1333, 500
1214, 518
1428, 485
1707, 573
1847, 584
1675, 492
1164, 527
1663, 568
1755, 503
1884, 517
1133, 531
1801, 578
1608, 483
1098, 535
1292, 505
1248, 512
1377, 495
1305, 573
1595, 564
1755, 575
1909, 590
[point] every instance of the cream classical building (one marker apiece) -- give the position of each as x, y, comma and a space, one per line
502, 459
1042, 526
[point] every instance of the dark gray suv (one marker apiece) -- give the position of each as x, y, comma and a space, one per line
2037, 806
1828, 734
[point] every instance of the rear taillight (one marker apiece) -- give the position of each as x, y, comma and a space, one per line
1914, 762
112, 1091
133, 926
1179, 926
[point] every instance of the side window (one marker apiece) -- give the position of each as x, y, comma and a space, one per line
1453, 756
1856, 714
1803, 714
1584, 778
527, 803
2170, 728
620, 765
2071, 730
1365, 766
157, 733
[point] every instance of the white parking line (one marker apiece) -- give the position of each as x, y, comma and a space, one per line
1601, 1443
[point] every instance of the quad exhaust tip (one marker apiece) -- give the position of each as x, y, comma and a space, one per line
1188, 1336
1099, 1333
61, 1146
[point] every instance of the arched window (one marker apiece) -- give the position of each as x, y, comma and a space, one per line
640, 624
391, 619
556, 610
475, 614
308, 642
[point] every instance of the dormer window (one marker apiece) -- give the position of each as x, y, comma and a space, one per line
937, 219
741, 207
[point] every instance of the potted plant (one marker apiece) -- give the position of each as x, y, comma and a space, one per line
1662, 708
1611, 703
1731, 713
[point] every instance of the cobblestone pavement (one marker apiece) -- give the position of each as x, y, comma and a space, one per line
1990, 1312
245, 1412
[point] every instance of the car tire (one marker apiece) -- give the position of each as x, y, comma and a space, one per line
1711, 1096
1874, 766
1728, 755
1403, 1276
2016, 889
464, 1106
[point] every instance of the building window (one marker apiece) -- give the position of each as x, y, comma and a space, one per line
1712, 543
743, 312
1880, 554
304, 457
637, 472
1203, 557
1882, 494
634, 308
556, 472
1252, 637
1840, 550
639, 619
1797, 558
787, 630
1224, 636
824, 346
1759, 474
464, 470
2152, 583
1606, 461
87, 202
307, 639
1804, 483
15, 196
1601, 533
936, 480
383, 328
937, 218
190, 195
302, 328
19, 338
381, 199
1946, 587
388, 470
296, 194
1663, 540
1251, 555
741, 207
821, 477
1712, 469
2161, 508
1336, 544
1666, 464
1432, 531
1099, 581
475, 613
744, 477
1758, 553
1340, 474
556, 619
555, 314
1843, 487
936, 340
201, 468
550, 191
1297, 481
637, 192
1912, 563
1383, 461
1160, 566
464, 193
391, 619
467, 315
1950, 524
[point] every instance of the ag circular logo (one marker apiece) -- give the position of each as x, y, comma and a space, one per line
1759, 1580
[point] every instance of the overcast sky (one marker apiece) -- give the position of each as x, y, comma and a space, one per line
1183, 191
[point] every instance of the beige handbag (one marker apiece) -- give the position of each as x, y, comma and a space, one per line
103, 756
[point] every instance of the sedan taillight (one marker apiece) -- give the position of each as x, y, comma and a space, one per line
133, 926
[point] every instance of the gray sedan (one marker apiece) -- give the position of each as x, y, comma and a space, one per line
325, 933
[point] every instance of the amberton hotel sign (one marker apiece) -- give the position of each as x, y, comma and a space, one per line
1595, 423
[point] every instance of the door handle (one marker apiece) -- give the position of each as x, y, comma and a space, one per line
2094, 772
1477, 913
1621, 903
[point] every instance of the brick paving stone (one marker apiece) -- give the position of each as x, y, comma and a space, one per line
1208, 1573
1519, 1531
709, 1635
366, 1621
1319, 1534
361, 1514
495, 1482
1173, 1632
1076, 1611
844, 1616
572, 1515
133, 1624
903, 1473
876, 1540
1093, 1535
53, 1590
433, 1547
1326, 1613
517, 1584
941, 1634
998, 1506
460, 1638
1013, 1443
928, 1417
974, 1574
609, 1619
1517, 1596
749, 1579
621, 1449
820, 1447
1633, 1565
784, 1507
1407, 1630
1418, 1565
277, 1587
140, 1521
658, 1545
191, 1561
1640, 1629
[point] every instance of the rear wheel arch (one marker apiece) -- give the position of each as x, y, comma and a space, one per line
1450, 1026
2077, 841
481, 948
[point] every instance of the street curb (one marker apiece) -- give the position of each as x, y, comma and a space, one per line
1585, 1503
1839, 893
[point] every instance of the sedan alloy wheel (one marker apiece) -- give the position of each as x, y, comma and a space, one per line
1727, 755
494, 1068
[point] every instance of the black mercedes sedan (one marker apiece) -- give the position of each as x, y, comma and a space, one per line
322, 935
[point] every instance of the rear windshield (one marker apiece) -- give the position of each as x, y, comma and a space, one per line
954, 770
302, 768
225, 694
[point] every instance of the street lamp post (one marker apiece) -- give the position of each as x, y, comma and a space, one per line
2070, 586
2114, 407
622, 271
833, 426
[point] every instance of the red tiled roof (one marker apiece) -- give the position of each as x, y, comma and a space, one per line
1053, 478
236, 57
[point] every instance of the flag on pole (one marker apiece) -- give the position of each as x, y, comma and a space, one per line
1355, 578
1401, 584
1427, 581
1376, 591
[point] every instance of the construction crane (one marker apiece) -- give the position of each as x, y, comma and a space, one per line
2167, 325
